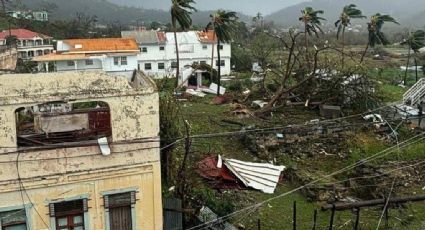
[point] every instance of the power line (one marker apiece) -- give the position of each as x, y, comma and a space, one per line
364, 161
386, 205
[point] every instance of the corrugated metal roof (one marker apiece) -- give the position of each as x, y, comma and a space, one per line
22, 34
260, 176
60, 57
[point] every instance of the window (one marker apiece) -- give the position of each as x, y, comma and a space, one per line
204, 47
123, 60
148, 66
221, 47
69, 214
119, 208
116, 61
144, 49
13, 220
174, 65
222, 63
70, 63
203, 62
161, 48
161, 66
89, 62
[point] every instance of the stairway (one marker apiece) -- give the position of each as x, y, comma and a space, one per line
416, 94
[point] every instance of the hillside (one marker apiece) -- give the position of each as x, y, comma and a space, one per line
401, 10
107, 12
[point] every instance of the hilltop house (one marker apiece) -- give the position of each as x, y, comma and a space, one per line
157, 56
42, 16
30, 44
113, 55
92, 164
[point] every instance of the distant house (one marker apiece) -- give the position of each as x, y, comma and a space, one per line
42, 16
157, 56
30, 44
107, 54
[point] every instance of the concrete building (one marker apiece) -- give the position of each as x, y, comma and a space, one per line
97, 166
158, 54
30, 44
117, 55
42, 16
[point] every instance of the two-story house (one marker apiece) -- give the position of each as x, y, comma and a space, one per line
116, 55
94, 165
42, 16
30, 44
158, 53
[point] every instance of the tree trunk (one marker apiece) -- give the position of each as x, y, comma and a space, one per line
212, 54
364, 53
306, 45
407, 67
177, 54
219, 67
416, 69
343, 46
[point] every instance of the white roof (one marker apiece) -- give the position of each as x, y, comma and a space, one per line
260, 176
189, 37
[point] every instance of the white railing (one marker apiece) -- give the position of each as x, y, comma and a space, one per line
415, 94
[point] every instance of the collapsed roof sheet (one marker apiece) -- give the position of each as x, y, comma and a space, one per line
260, 176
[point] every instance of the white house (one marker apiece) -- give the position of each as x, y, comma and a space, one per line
30, 44
42, 16
117, 55
157, 56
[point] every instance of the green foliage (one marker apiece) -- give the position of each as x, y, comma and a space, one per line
241, 58
26, 66
347, 14
207, 197
376, 36
180, 13
312, 21
224, 25
415, 41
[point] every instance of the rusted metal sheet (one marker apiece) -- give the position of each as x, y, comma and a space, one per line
173, 218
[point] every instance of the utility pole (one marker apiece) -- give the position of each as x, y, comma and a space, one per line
182, 188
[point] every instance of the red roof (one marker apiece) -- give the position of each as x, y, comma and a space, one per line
22, 34
207, 36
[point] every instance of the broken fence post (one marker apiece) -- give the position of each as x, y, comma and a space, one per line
315, 219
294, 218
258, 224
356, 225
331, 222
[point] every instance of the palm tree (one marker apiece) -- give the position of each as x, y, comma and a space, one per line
180, 13
312, 24
374, 27
415, 42
224, 26
349, 12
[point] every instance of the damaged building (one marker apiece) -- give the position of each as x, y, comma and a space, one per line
79, 150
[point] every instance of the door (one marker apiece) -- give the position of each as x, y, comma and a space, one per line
120, 218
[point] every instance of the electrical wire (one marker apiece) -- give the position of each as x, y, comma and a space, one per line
364, 161
386, 205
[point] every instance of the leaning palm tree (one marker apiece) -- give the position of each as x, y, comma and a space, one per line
376, 36
180, 13
415, 42
224, 26
312, 24
349, 12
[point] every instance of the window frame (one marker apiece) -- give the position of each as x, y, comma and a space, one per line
85, 214
146, 65
124, 60
144, 49
161, 66
116, 61
89, 62
204, 47
161, 48
134, 191
222, 63
70, 63
173, 65
25, 207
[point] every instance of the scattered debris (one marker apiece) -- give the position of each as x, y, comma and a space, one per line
207, 215
195, 93
104, 147
213, 89
259, 103
235, 174
330, 111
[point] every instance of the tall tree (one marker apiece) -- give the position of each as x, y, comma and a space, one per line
376, 36
311, 20
181, 11
349, 12
415, 41
224, 25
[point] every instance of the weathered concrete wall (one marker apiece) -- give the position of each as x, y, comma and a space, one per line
8, 59
65, 173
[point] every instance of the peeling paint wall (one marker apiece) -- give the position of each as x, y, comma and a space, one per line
64, 173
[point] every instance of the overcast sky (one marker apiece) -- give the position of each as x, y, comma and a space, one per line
250, 7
